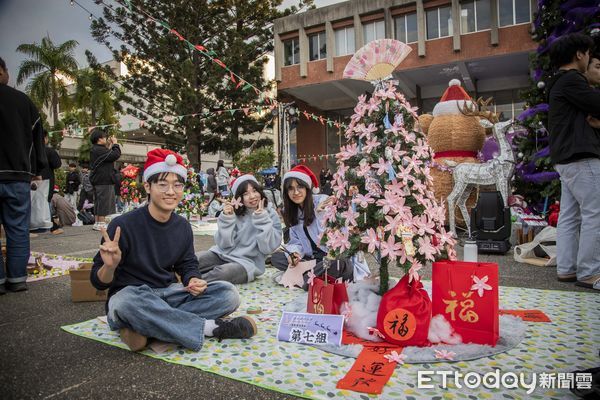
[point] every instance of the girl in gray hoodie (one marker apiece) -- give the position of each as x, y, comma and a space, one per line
249, 230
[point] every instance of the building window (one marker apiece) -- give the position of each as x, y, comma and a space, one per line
439, 22
317, 44
406, 28
373, 31
344, 41
474, 16
512, 12
291, 52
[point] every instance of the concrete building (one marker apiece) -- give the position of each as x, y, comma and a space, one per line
484, 43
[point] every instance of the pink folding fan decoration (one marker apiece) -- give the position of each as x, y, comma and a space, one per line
376, 60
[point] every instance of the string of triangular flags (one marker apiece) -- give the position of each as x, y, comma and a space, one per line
236, 79
314, 157
166, 118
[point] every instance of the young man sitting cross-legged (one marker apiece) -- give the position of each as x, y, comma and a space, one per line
137, 261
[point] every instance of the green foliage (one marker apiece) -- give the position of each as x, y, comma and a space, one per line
257, 160
167, 77
47, 64
60, 179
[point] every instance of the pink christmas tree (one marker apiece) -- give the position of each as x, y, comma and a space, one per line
384, 204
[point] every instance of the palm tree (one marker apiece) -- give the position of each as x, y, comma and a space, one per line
95, 92
47, 64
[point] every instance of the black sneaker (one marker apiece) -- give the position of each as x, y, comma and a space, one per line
236, 328
16, 286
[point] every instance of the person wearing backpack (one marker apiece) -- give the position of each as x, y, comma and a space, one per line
105, 151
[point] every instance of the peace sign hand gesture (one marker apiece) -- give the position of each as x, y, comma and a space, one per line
261, 207
109, 250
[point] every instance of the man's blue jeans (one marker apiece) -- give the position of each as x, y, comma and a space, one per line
15, 211
578, 231
171, 314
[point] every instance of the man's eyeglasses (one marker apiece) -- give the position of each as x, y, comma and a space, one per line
163, 187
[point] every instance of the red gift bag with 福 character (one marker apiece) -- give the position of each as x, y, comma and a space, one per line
405, 313
466, 294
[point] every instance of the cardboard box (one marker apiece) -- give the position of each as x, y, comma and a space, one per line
81, 287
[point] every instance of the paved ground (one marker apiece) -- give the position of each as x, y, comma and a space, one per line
38, 360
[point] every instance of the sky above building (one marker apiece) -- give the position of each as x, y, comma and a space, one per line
28, 21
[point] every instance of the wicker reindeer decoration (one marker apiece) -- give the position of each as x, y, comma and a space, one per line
496, 171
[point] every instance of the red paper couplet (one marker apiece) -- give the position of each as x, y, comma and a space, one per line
370, 372
528, 315
350, 338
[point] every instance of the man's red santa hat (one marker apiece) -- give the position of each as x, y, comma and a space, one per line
303, 173
454, 98
163, 160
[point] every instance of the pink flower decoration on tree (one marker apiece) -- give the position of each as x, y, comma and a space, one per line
413, 272
396, 357
396, 129
426, 248
371, 239
342, 169
363, 200
338, 240
350, 217
480, 285
348, 152
370, 145
390, 203
373, 105
363, 169
391, 249
421, 149
382, 166
444, 355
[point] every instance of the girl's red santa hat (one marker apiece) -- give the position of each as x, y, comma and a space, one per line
303, 173
238, 181
453, 100
163, 160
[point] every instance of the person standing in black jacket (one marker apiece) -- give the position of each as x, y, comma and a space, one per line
575, 151
105, 151
73, 183
22, 156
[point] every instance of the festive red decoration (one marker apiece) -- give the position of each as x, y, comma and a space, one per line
325, 296
466, 294
405, 313
553, 216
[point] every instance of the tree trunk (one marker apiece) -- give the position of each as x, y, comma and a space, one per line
384, 276
54, 101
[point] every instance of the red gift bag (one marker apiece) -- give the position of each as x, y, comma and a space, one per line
466, 294
326, 298
405, 313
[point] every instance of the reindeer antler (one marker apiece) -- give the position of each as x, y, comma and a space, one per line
479, 109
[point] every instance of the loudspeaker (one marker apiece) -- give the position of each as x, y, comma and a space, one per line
491, 223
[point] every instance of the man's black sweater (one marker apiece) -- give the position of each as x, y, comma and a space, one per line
151, 252
22, 154
571, 100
